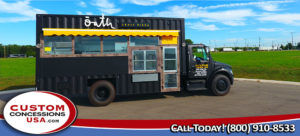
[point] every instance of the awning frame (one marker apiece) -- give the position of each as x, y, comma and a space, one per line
108, 32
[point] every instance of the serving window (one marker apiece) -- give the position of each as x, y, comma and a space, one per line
144, 41
66, 42
117, 44
72, 46
57, 45
87, 45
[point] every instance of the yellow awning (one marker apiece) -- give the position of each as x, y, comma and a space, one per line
107, 32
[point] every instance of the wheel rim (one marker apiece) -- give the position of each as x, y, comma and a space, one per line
222, 85
102, 93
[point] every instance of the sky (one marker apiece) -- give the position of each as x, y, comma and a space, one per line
217, 23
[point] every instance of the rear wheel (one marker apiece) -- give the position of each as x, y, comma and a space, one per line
220, 85
101, 93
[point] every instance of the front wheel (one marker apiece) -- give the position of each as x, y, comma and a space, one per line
101, 93
220, 85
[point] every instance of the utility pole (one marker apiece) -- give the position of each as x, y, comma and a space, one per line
259, 41
215, 43
246, 43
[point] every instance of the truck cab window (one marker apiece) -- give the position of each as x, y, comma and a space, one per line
57, 45
199, 54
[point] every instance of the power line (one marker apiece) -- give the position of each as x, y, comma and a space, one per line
259, 41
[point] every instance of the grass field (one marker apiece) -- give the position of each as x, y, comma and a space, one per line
276, 65
17, 73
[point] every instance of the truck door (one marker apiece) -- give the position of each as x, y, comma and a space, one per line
198, 61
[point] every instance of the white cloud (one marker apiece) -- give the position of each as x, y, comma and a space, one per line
184, 11
22, 9
202, 27
79, 12
269, 7
269, 29
86, 13
145, 2
110, 10
106, 7
284, 18
228, 17
82, 4
265, 5
14, 19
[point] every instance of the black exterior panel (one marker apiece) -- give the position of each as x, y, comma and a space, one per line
84, 66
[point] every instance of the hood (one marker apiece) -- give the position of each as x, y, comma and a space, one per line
219, 64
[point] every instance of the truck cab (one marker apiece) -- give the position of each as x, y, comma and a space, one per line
205, 73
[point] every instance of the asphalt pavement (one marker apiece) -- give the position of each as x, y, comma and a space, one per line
247, 98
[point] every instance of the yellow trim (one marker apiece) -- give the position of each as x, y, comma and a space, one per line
107, 32
169, 40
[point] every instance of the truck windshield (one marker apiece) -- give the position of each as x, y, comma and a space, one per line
199, 53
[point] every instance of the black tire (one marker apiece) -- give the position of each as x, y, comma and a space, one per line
220, 85
102, 93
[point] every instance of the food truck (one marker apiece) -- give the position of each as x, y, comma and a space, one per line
107, 56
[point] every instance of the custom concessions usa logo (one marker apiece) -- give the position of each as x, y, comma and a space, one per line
40, 112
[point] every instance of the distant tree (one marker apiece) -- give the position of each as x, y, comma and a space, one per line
289, 46
17, 49
23, 50
1, 51
298, 45
188, 41
282, 47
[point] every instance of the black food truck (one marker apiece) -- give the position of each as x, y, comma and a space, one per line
107, 56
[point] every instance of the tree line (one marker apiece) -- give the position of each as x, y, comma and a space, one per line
29, 50
288, 46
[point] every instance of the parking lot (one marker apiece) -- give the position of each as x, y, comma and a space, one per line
247, 98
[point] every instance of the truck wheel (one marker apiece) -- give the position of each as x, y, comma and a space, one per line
101, 93
220, 85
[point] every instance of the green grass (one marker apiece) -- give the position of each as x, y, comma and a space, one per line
17, 73
275, 65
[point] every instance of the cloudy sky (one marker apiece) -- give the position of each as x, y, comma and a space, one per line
213, 22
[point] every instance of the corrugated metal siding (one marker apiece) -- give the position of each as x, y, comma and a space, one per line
125, 86
77, 85
70, 75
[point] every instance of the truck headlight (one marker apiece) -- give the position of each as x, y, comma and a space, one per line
231, 71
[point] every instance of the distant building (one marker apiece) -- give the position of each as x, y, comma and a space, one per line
239, 50
212, 49
267, 48
227, 49
17, 55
